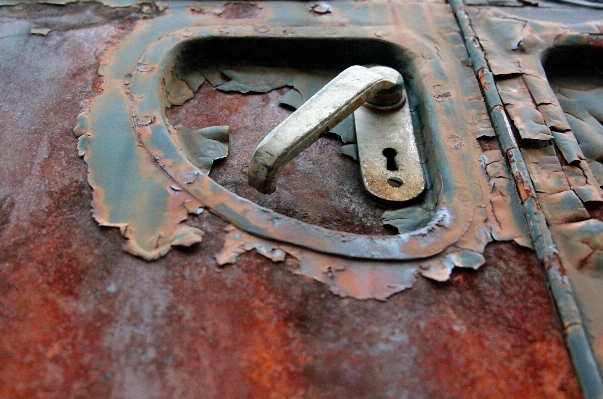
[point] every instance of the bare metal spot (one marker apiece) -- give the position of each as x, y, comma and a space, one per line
320, 9
144, 67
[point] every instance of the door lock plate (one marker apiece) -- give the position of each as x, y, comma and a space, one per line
388, 154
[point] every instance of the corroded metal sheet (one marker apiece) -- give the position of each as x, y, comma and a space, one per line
562, 189
80, 318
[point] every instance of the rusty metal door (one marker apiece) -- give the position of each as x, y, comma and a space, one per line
138, 262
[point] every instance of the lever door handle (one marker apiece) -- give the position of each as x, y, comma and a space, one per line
380, 86
389, 159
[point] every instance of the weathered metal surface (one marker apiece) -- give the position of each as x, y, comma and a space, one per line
158, 61
78, 318
554, 179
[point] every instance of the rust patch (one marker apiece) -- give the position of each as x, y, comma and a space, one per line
482, 80
553, 262
524, 191
523, 187
304, 192
97, 84
488, 143
170, 70
516, 46
243, 10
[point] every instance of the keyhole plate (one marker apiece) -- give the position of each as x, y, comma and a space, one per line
387, 150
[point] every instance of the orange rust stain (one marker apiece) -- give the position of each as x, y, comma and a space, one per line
525, 192
476, 43
56, 314
240, 11
552, 262
97, 84
37, 351
482, 79
304, 191
274, 359
468, 342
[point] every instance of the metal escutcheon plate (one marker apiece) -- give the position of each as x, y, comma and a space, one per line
387, 150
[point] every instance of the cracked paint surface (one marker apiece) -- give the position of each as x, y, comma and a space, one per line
163, 68
79, 318
542, 66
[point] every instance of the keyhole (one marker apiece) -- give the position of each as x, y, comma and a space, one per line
390, 156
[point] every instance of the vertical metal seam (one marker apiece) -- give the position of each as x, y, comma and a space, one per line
581, 353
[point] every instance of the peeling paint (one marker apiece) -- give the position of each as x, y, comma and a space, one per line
358, 279
504, 202
289, 337
524, 114
203, 146
350, 150
583, 112
40, 31
158, 175
515, 49
542, 67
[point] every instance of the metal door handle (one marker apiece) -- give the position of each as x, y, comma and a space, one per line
332, 104
380, 86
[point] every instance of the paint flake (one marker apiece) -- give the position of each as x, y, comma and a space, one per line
527, 119
40, 31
